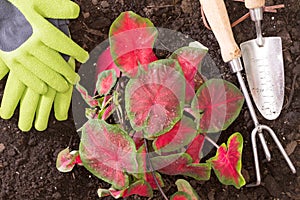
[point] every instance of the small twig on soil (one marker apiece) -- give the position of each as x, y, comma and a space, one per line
287, 105
212, 142
273, 9
17, 150
162, 6
70, 141
153, 172
245, 16
87, 37
93, 31
204, 19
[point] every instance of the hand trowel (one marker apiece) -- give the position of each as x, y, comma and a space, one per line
263, 63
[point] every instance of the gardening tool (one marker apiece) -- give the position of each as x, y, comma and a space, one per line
263, 62
217, 17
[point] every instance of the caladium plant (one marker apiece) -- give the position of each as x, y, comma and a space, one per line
227, 163
170, 107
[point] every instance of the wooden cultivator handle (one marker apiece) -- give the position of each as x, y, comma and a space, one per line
251, 4
217, 17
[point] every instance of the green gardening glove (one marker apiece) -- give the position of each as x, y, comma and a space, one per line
30, 45
3, 69
33, 107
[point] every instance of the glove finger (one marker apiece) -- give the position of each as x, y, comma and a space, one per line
57, 9
13, 92
39, 69
44, 109
3, 69
56, 62
62, 101
28, 78
57, 40
28, 106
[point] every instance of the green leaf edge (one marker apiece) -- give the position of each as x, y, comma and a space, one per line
181, 193
143, 182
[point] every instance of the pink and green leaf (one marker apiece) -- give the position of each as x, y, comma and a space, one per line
219, 103
154, 101
144, 173
86, 97
181, 164
108, 112
131, 40
108, 152
195, 147
150, 179
105, 62
184, 186
138, 138
181, 196
189, 59
177, 138
227, 163
66, 160
106, 81
140, 188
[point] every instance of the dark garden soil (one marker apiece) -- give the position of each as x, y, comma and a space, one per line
27, 160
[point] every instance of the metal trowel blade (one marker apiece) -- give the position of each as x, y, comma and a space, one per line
265, 74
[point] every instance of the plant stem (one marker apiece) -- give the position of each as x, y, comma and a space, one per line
106, 102
211, 141
152, 171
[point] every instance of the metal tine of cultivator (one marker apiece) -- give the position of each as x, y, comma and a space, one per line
259, 129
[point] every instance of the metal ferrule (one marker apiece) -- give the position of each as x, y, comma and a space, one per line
236, 65
256, 14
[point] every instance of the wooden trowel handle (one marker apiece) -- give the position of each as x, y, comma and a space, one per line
251, 4
217, 17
